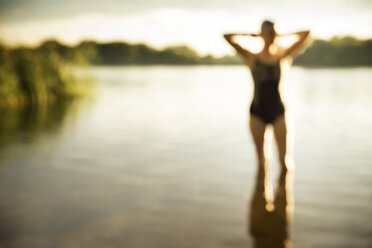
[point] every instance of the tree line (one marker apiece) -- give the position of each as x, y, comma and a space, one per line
338, 51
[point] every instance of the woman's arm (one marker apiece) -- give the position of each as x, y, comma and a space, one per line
296, 48
230, 38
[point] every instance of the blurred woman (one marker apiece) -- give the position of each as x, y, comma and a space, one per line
267, 107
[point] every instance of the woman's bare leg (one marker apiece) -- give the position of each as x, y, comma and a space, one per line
258, 128
284, 142
261, 137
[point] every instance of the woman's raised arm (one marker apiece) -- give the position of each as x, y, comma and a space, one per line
303, 41
241, 50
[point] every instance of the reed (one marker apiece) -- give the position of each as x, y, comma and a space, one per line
40, 76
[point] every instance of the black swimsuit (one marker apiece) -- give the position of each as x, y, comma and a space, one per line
266, 103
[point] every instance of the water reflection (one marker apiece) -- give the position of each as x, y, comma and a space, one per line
25, 125
270, 216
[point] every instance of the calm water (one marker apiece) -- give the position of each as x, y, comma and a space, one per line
163, 158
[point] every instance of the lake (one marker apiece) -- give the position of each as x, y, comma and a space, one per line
162, 157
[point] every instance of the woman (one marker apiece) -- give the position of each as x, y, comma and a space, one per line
267, 107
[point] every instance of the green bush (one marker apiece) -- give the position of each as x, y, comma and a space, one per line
41, 75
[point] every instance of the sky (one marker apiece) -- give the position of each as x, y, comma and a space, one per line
159, 23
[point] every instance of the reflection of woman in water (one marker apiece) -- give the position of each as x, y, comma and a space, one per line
267, 106
269, 221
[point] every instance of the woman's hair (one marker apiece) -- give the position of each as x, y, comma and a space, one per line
266, 25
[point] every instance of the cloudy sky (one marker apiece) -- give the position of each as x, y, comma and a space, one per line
197, 23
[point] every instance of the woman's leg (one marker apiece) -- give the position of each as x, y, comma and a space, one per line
262, 140
284, 142
258, 128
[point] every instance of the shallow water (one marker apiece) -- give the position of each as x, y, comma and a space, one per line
163, 158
